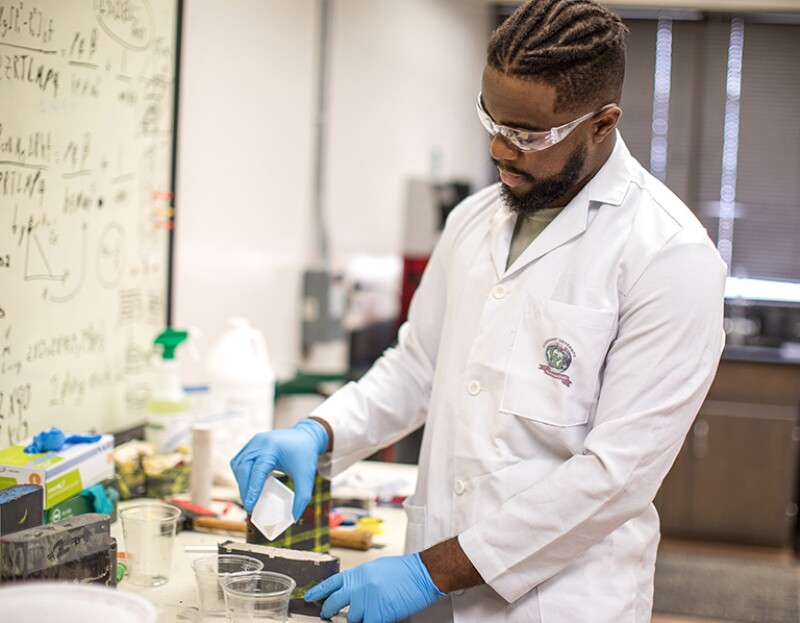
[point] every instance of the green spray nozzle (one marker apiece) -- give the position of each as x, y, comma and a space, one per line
169, 340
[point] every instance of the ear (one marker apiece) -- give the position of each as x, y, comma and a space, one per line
605, 123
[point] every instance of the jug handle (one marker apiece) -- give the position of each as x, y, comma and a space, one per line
259, 345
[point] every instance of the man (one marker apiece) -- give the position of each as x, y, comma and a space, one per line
561, 342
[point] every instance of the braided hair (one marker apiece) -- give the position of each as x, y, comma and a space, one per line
577, 46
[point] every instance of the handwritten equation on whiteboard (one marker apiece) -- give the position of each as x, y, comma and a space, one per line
86, 108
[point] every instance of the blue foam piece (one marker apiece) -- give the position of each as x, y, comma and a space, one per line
16, 492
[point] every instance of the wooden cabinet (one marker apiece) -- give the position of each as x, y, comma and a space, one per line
735, 478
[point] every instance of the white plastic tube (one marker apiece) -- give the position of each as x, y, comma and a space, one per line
202, 464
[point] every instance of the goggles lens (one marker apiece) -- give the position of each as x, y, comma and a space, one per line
529, 140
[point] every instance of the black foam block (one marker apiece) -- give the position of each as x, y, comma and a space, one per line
21, 507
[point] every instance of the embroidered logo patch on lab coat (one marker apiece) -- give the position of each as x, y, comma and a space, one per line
559, 355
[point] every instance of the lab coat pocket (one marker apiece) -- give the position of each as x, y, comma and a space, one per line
415, 530
556, 362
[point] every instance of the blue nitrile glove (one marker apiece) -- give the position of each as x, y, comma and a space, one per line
101, 502
47, 441
381, 591
54, 439
294, 451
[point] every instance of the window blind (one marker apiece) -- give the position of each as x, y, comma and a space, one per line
765, 131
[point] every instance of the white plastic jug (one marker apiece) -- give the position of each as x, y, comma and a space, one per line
242, 392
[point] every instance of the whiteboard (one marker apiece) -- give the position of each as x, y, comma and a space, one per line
86, 140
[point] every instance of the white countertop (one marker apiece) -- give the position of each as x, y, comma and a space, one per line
177, 600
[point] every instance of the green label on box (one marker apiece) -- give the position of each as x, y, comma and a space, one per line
5, 482
77, 505
63, 487
15, 455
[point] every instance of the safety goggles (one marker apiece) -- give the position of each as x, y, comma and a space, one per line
529, 140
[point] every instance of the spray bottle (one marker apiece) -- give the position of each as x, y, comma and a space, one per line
169, 418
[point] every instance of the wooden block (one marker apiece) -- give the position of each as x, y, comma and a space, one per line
351, 539
312, 531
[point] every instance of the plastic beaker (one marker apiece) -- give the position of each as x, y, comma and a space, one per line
257, 597
149, 531
209, 570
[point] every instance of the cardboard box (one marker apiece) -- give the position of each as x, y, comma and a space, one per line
64, 473
81, 504
69, 508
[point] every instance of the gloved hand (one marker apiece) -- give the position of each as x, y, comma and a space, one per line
294, 451
381, 591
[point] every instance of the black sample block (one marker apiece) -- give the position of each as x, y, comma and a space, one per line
21, 507
73, 550
306, 568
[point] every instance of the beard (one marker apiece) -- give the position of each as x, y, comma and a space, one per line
547, 192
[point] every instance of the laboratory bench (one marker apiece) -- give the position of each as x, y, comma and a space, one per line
734, 481
177, 600
788, 354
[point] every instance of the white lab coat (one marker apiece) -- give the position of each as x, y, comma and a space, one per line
555, 396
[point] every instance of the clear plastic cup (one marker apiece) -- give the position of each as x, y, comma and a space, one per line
258, 597
209, 570
149, 531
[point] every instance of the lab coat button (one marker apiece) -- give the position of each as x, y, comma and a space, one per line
474, 388
459, 487
459, 592
499, 291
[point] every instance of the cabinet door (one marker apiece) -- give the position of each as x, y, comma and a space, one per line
674, 498
735, 478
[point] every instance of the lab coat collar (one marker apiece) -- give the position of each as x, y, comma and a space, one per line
608, 186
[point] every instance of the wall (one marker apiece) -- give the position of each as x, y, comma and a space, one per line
403, 78
244, 166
